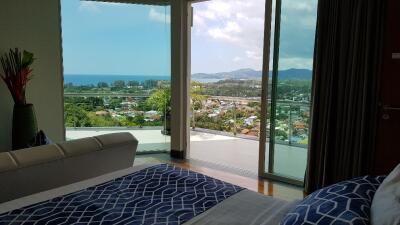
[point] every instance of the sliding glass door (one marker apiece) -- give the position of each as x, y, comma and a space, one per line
117, 71
289, 93
227, 40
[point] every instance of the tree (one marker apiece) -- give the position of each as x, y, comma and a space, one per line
196, 95
139, 120
102, 121
75, 116
119, 84
150, 84
196, 98
133, 83
114, 103
160, 100
281, 135
102, 85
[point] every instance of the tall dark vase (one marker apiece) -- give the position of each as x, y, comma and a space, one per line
24, 127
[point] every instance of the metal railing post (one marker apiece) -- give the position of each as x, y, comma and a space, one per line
234, 119
290, 125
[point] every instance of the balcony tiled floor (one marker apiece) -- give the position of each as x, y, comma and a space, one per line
242, 154
231, 152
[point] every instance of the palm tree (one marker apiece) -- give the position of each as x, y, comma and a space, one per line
161, 101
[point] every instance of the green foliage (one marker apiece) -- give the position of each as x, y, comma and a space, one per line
27, 59
88, 104
150, 84
102, 121
196, 95
69, 87
133, 83
102, 85
128, 122
254, 104
119, 84
115, 103
281, 135
139, 120
143, 106
76, 116
160, 100
80, 111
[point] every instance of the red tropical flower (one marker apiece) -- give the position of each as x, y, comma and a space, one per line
17, 73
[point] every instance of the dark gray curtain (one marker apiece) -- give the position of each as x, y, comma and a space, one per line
347, 62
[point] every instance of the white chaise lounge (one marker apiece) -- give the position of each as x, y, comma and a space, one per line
32, 170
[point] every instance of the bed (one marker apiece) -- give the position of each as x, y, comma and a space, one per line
95, 181
92, 181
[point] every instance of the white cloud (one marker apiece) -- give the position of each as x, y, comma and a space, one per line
220, 9
254, 55
232, 27
218, 33
227, 32
198, 20
237, 59
240, 24
159, 16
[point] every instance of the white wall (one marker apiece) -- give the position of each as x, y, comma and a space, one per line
34, 26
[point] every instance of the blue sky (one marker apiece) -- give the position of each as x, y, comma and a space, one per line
127, 39
108, 38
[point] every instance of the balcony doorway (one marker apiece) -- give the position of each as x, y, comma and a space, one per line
111, 83
226, 85
250, 112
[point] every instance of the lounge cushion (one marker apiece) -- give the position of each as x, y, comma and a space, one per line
347, 202
37, 155
80, 146
6, 162
46, 167
385, 209
116, 139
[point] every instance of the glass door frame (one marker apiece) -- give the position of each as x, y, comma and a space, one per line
176, 139
181, 21
262, 172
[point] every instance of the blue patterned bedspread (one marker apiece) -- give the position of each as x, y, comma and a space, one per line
161, 194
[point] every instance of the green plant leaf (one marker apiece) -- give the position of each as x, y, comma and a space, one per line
27, 59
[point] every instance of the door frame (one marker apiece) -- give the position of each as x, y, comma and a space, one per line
185, 30
262, 172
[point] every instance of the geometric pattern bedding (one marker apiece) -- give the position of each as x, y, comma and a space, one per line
347, 202
161, 194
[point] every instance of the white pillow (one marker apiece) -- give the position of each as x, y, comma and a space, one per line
385, 209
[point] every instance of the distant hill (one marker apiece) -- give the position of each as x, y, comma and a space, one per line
248, 74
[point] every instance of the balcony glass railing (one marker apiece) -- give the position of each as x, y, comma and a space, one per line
141, 108
241, 117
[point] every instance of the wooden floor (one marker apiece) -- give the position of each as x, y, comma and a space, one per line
276, 189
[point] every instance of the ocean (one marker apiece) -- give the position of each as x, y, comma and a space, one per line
85, 79
80, 79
